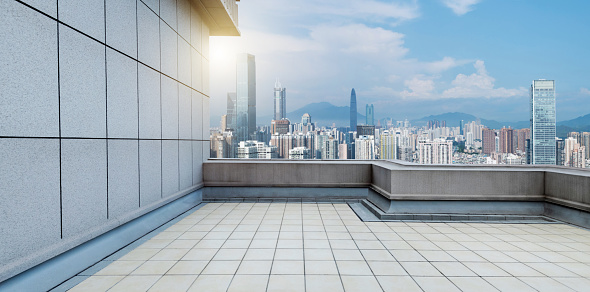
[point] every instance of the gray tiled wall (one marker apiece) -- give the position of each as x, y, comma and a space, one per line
104, 115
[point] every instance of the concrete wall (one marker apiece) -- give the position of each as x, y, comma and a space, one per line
409, 183
104, 117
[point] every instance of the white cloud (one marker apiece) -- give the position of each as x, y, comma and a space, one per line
460, 7
479, 84
419, 86
360, 39
585, 91
443, 65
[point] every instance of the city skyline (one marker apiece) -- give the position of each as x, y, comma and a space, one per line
487, 65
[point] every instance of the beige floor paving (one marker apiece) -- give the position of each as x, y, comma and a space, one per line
326, 247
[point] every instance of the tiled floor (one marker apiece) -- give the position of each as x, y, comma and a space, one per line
325, 247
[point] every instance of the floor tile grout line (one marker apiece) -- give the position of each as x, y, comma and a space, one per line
247, 249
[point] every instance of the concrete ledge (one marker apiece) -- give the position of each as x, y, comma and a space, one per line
60, 268
569, 215
267, 194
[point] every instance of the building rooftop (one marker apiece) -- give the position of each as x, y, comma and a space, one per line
327, 247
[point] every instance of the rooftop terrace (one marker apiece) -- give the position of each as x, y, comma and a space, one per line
326, 247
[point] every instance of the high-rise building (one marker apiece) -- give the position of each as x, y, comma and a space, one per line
388, 146
370, 114
461, 125
365, 147
330, 150
542, 116
223, 123
343, 151
231, 111
435, 152
365, 130
586, 143
488, 141
507, 140
306, 119
279, 126
280, 99
245, 96
299, 153
523, 135
352, 110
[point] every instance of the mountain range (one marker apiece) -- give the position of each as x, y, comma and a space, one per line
326, 114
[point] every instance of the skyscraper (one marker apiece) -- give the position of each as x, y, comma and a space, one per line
245, 96
370, 115
488, 141
231, 111
280, 99
353, 110
542, 114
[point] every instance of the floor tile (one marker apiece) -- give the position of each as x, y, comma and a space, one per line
551, 270
187, 268
291, 254
353, 268
472, 284
230, 254
323, 283
360, 283
294, 283
248, 283
398, 283
135, 284
543, 284
420, 269
484, 269
453, 269
377, 255
97, 283
320, 268
508, 284
154, 268
347, 255
172, 283
221, 268
436, 284
119, 268
254, 268
287, 267
386, 268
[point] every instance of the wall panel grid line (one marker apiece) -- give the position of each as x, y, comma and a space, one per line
136, 59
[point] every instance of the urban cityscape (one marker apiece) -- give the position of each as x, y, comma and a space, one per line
437, 142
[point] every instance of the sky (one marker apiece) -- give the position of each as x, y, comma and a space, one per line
410, 58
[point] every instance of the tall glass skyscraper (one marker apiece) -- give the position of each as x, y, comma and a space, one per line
280, 101
542, 110
353, 110
231, 111
370, 114
245, 96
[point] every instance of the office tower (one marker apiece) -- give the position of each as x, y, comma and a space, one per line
365, 147
488, 141
231, 111
542, 117
570, 144
353, 110
280, 99
306, 119
283, 142
365, 130
279, 127
507, 140
370, 115
438, 151
245, 96
388, 146
461, 125
576, 135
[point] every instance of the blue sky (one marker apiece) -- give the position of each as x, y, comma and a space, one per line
411, 58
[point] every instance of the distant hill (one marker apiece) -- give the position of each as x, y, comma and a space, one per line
325, 113
579, 124
453, 120
322, 114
